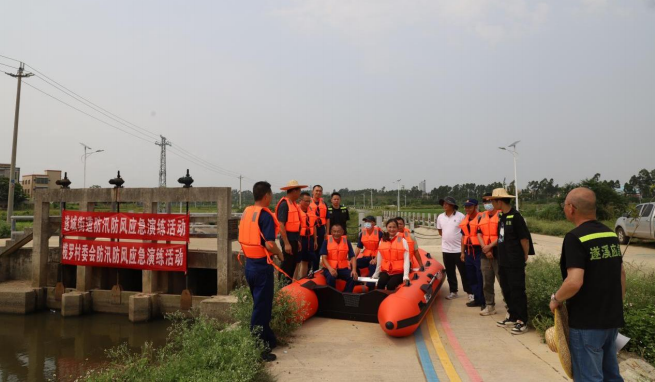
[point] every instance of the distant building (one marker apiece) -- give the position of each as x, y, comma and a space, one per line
423, 188
35, 182
5, 170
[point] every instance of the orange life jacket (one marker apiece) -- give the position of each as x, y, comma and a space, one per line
322, 211
250, 235
489, 227
337, 253
293, 217
370, 242
393, 255
407, 234
470, 238
307, 223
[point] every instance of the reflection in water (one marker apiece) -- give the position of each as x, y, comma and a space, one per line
45, 346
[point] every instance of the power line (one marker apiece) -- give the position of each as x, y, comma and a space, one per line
9, 66
9, 58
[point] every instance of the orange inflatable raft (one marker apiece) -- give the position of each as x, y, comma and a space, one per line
398, 312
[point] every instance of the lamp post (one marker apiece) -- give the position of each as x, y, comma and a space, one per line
86, 155
516, 182
398, 201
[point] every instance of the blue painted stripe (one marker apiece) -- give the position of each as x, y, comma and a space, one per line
424, 357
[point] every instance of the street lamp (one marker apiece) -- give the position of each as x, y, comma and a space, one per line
398, 202
86, 155
516, 182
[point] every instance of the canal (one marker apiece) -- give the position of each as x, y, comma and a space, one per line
44, 346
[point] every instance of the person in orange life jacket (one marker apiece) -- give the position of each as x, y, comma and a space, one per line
393, 261
288, 214
367, 245
414, 256
257, 237
308, 242
318, 208
337, 213
472, 251
451, 246
338, 258
488, 233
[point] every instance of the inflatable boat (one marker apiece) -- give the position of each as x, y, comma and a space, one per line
398, 312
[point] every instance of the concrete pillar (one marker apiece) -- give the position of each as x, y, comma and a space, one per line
224, 253
72, 304
361, 217
40, 239
84, 274
140, 308
149, 278
218, 307
378, 221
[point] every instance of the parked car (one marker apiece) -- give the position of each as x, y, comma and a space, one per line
640, 227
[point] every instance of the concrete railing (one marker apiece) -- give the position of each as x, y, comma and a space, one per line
416, 219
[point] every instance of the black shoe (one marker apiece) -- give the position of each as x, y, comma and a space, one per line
505, 323
519, 328
269, 357
472, 304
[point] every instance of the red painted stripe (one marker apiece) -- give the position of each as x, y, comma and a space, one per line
454, 344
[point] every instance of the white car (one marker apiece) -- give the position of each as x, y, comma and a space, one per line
641, 227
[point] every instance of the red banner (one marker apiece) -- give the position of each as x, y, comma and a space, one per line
146, 256
112, 225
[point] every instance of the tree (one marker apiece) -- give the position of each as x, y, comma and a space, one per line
19, 194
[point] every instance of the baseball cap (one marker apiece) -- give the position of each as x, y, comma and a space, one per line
369, 218
449, 200
470, 202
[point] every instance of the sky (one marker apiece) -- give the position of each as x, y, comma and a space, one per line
347, 94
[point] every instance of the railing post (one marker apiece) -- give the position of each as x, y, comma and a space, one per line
40, 249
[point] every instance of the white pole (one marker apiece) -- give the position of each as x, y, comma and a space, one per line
516, 182
85, 167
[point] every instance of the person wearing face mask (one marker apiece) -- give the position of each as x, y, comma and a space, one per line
487, 234
393, 262
367, 246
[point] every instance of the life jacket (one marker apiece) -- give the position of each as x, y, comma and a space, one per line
337, 253
293, 218
489, 227
393, 255
322, 211
470, 238
307, 223
370, 242
407, 234
250, 235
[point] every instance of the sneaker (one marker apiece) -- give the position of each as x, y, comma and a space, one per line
505, 322
451, 296
268, 357
519, 328
488, 310
472, 304
471, 297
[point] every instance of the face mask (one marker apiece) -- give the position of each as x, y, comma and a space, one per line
488, 206
368, 225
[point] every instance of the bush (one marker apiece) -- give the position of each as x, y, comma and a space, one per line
198, 349
543, 277
287, 312
551, 212
5, 230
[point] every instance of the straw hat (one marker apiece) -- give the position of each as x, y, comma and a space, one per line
557, 338
293, 184
499, 193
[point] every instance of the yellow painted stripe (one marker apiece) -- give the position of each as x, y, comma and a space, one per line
441, 351
599, 235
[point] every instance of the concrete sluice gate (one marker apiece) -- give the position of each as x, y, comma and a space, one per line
29, 276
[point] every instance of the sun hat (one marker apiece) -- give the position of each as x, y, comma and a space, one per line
500, 193
293, 184
557, 338
449, 200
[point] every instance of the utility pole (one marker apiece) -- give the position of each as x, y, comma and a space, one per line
86, 156
516, 181
371, 198
364, 205
12, 168
240, 177
162, 160
398, 201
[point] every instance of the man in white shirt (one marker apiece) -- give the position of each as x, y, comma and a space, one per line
451, 245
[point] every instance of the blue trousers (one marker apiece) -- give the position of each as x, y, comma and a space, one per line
343, 274
593, 355
315, 263
259, 276
474, 272
365, 262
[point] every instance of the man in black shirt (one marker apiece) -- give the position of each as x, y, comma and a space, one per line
514, 244
593, 287
337, 213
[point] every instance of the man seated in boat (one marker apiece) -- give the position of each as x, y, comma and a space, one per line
367, 246
338, 258
393, 263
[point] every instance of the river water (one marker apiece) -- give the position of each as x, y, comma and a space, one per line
45, 346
